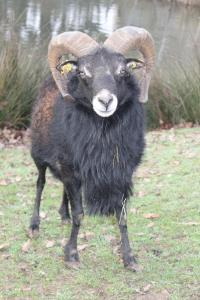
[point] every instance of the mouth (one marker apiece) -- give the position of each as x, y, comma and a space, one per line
105, 113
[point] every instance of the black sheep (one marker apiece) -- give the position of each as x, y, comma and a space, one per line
91, 136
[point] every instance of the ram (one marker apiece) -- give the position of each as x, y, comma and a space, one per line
88, 127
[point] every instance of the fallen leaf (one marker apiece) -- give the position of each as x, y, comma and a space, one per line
191, 223
151, 216
3, 182
43, 215
26, 289
50, 244
82, 247
176, 162
134, 210
146, 288
141, 194
4, 246
86, 235
140, 233
42, 273
26, 246
6, 256
18, 179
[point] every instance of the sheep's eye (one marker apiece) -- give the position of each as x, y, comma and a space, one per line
122, 72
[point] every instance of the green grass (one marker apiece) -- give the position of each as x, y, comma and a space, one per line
168, 247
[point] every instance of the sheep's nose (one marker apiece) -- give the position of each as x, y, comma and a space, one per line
106, 101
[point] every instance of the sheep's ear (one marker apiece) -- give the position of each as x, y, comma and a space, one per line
134, 63
67, 67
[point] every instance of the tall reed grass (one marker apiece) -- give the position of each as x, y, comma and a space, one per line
21, 73
174, 95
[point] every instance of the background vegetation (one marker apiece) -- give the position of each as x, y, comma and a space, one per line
174, 96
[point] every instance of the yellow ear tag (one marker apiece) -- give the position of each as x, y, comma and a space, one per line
133, 65
66, 68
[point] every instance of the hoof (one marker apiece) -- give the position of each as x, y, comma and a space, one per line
71, 254
33, 233
133, 267
130, 263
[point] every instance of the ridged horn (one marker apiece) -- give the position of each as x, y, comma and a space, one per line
73, 42
131, 37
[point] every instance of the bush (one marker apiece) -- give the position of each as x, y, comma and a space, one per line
21, 72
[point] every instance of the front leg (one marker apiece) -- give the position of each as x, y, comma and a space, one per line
127, 256
73, 188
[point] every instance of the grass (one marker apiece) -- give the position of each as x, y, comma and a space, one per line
167, 247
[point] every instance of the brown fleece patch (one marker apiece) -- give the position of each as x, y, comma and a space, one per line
43, 108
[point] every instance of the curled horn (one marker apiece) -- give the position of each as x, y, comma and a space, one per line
73, 42
130, 37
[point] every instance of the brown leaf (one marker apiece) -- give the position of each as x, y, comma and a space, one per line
4, 246
50, 244
26, 246
134, 210
3, 182
82, 247
141, 194
6, 256
18, 179
86, 235
151, 216
26, 289
146, 288
191, 223
43, 215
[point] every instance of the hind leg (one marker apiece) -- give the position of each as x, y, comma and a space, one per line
64, 208
35, 219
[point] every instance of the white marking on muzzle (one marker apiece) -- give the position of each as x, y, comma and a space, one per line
105, 103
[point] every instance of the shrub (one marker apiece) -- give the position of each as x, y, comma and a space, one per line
21, 72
